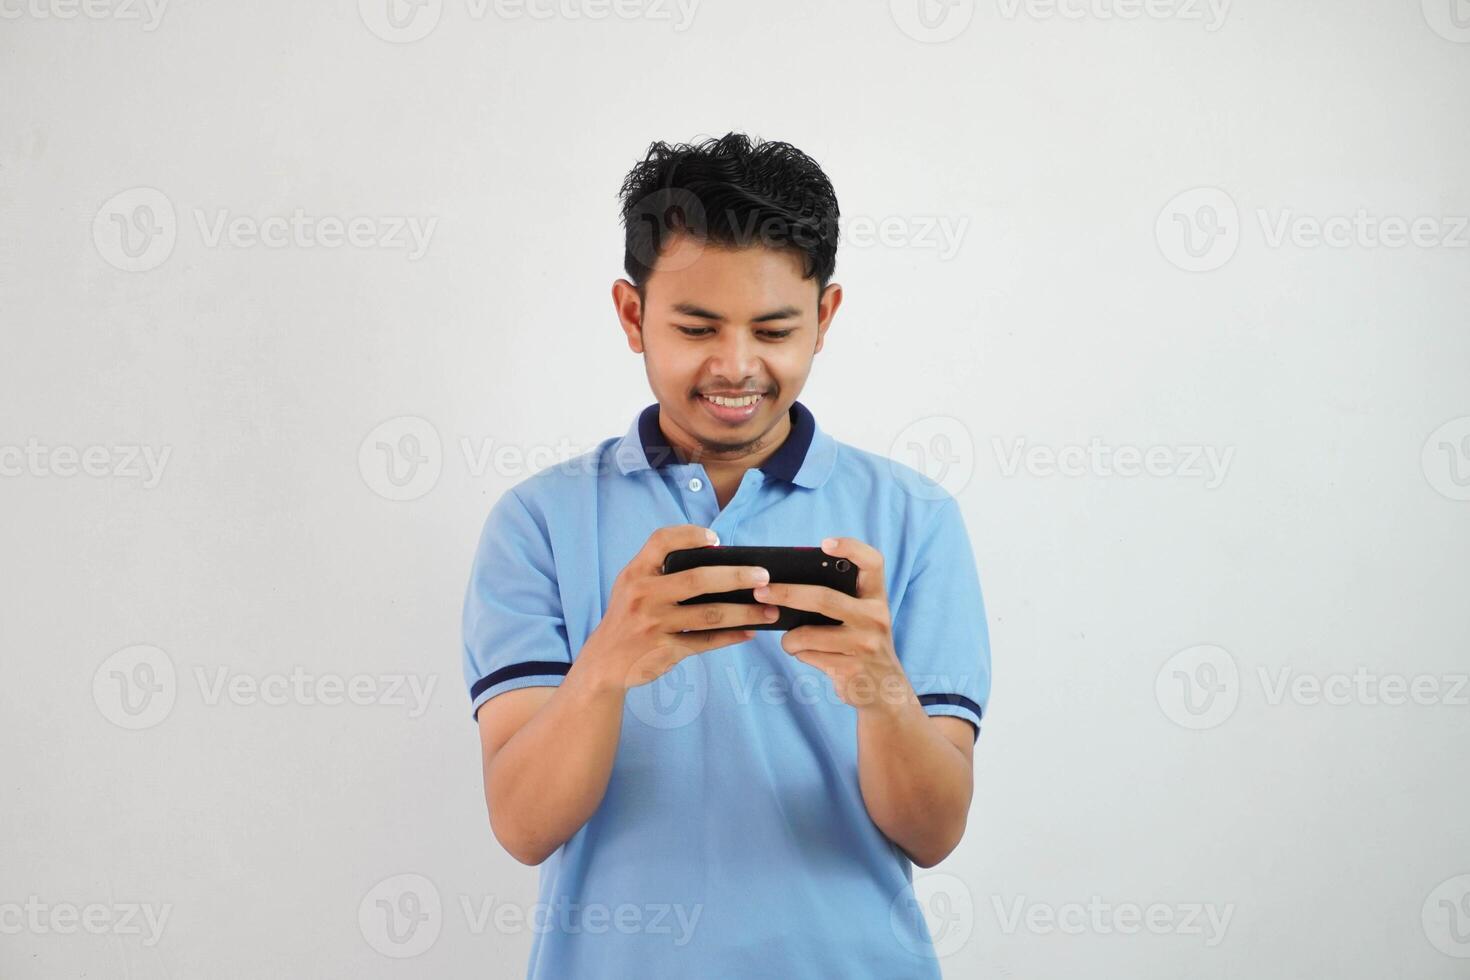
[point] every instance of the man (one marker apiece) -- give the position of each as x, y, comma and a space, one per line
710, 801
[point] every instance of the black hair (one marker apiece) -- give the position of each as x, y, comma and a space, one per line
729, 192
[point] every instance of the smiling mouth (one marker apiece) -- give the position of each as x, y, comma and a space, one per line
732, 408
734, 401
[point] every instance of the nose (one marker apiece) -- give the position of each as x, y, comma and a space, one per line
735, 357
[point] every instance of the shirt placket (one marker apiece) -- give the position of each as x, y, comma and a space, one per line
703, 508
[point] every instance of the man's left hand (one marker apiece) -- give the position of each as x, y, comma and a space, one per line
859, 655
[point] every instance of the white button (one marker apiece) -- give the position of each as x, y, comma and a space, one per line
695, 484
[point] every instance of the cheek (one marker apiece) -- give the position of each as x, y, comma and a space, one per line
677, 363
790, 365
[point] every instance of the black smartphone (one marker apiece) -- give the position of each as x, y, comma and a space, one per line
803, 566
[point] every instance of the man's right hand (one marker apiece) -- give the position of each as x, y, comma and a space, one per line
640, 638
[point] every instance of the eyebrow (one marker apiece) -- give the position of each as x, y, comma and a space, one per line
689, 309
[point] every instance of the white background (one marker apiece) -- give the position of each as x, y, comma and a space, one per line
1121, 764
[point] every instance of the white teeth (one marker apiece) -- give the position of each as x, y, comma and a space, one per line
735, 402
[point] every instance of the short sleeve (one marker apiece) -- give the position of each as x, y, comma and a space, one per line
514, 633
939, 627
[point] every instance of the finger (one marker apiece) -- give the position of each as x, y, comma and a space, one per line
827, 663
719, 615
827, 639
713, 639
869, 562
709, 578
650, 557
814, 598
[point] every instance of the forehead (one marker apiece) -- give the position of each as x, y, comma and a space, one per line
690, 270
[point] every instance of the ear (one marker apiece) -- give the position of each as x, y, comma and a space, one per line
831, 298
630, 313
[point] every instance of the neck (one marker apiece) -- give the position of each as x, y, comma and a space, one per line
724, 464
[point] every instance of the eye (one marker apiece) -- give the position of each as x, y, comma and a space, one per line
706, 331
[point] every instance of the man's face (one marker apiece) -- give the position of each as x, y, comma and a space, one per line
736, 322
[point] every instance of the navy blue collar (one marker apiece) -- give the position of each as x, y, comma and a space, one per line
783, 464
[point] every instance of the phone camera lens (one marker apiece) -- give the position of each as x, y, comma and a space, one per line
843, 564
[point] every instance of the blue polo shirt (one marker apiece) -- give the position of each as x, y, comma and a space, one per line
733, 841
